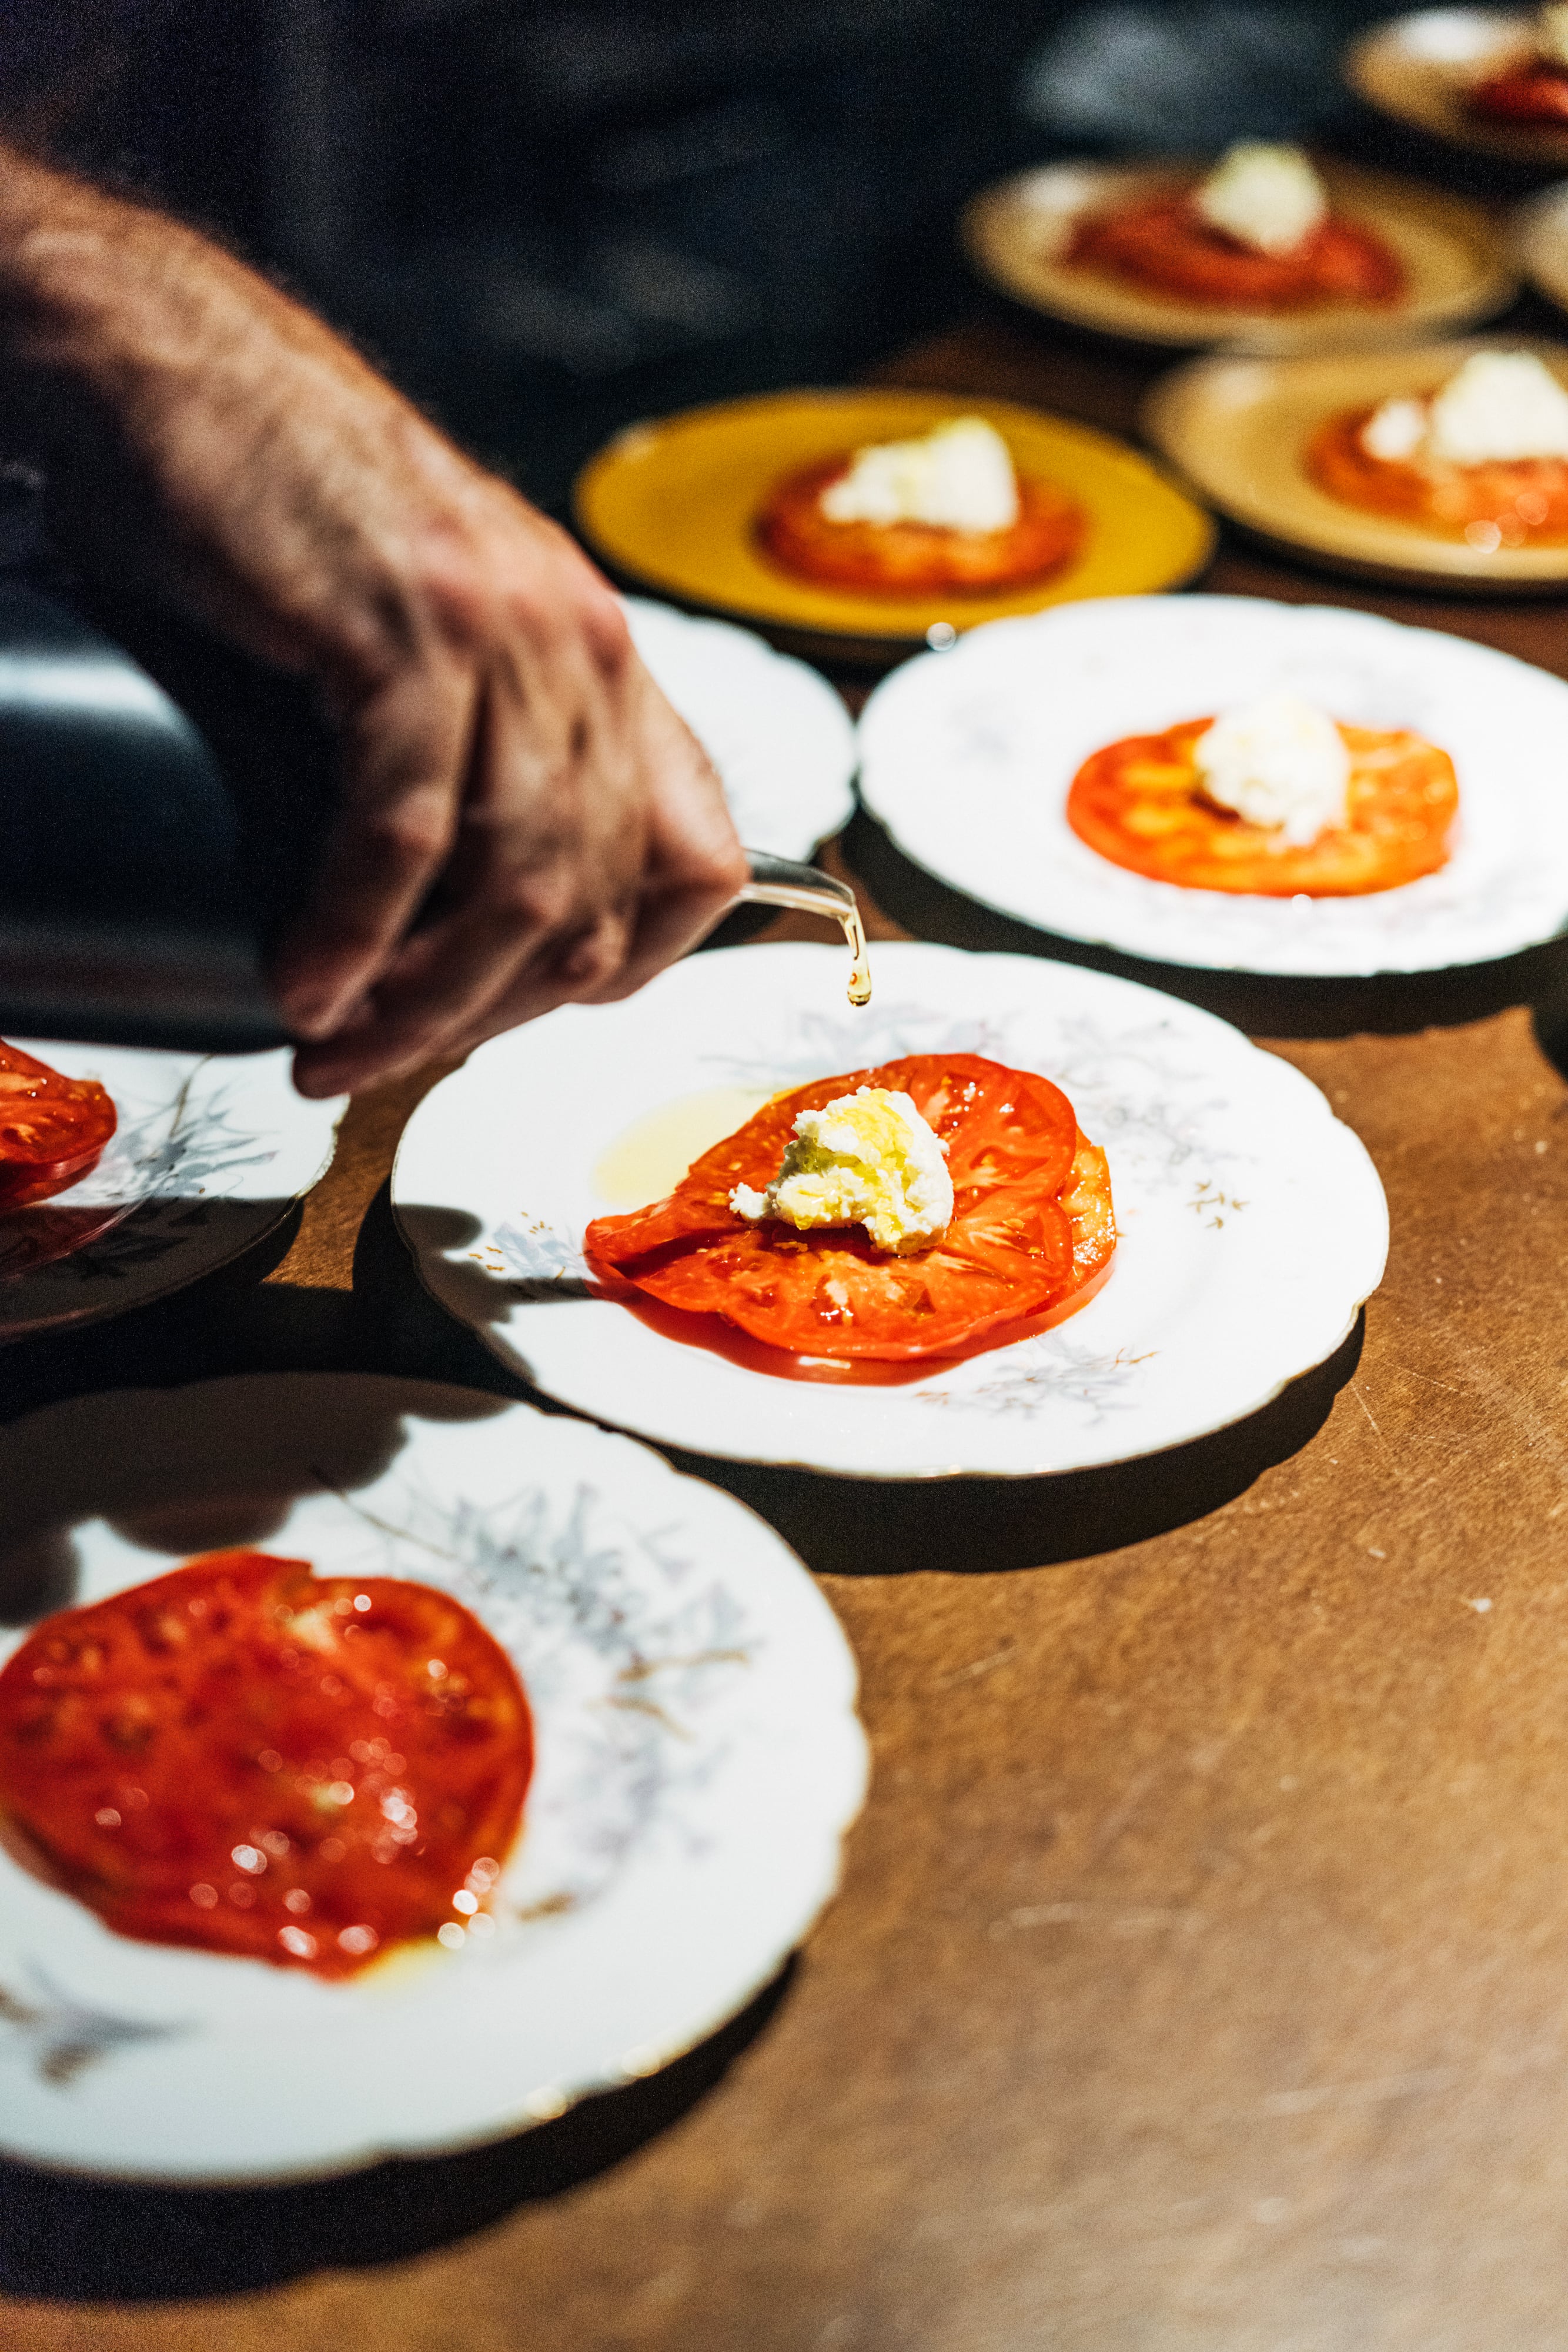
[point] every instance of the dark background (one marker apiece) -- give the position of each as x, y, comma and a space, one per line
546, 220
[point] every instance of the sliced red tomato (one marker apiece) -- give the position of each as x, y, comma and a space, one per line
52, 1129
244, 1756
1141, 803
1164, 242
916, 559
1032, 1222
1525, 497
1536, 91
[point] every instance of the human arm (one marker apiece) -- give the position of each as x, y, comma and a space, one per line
501, 745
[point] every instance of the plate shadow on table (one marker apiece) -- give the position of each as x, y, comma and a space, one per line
1264, 1004
188, 1333
1450, 588
873, 1527
1549, 1018
867, 1527
235, 1320
195, 1467
67, 2239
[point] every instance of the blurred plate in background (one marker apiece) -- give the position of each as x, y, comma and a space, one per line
1420, 69
1455, 260
1541, 243
1237, 428
966, 758
780, 737
675, 503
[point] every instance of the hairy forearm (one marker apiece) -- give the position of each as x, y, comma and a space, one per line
137, 351
119, 310
102, 290
496, 731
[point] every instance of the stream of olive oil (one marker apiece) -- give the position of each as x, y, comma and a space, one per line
860, 963
649, 1157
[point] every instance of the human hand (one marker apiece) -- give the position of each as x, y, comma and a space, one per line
511, 754
507, 764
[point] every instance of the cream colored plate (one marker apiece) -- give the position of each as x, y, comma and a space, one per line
1418, 69
1541, 243
1455, 258
675, 503
1236, 429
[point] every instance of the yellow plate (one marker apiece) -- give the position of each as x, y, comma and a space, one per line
1455, 261
673, 503
1418, 69
1236, 429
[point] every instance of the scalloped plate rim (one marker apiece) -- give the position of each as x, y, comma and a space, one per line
880, 801
351, 2152
1371, 1244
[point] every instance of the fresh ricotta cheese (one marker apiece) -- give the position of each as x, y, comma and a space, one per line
1395, 431
959, 477
1279, 762
867, 1158
1500, 404
1264, 195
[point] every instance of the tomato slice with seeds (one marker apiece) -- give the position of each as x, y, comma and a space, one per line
52, 1129
1032, 1222
916, 559
252, 1758
1524, 498
1534, 92
1141, 803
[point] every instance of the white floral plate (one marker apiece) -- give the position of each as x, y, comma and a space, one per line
210, 1153
698, 1759
1253, 1222
780, 737
966, 757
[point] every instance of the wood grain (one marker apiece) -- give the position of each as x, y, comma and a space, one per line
1199, 1983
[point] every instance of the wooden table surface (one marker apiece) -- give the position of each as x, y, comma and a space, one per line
1199, 1981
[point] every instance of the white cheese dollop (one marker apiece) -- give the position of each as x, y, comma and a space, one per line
1395, 431
1279, 762
1500, 404
1551, 35
1266, 196
959, 477
867, 1158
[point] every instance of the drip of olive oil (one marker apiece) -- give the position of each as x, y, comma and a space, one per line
648, 1159
779, 882
860, 961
